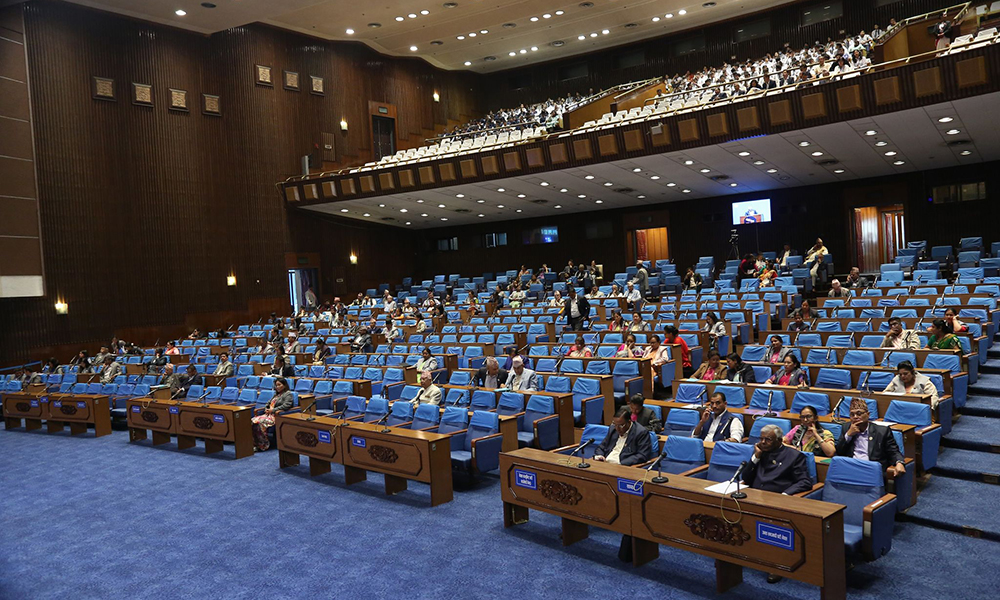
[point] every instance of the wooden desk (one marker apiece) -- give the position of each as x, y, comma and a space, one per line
58, 410
30, 408
680, 513
399, 454
215, 423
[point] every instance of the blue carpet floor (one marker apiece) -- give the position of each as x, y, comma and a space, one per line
967, 464
102, 518
956, 504
974, 433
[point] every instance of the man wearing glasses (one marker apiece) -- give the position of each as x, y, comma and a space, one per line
868, 441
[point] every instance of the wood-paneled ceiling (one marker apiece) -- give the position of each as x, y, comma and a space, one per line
453, 34
933, 137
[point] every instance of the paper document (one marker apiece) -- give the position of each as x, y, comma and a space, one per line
721, 488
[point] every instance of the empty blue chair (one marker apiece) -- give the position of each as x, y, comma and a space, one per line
376, 408
817, 400
682, 454
760, 397
598, 367
457, 397
477, 449
460, 378
735, 395
753, 353
486, 399
838, 379
859, 358
726, 458
588, 402
592, 432
627, 380
426, 416
691, 392
539, 426
858, 486
400, 415
510, 403
681, 422
820, 356
355, 408
453, 420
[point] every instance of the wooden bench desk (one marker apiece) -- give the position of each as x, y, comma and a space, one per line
215, 423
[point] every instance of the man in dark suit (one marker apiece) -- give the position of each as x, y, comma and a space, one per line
577, 310
642, 415
362, 342
490, 375
627, 443
868, 441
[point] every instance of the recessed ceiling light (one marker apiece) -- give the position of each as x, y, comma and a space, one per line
444, 218
838, 171
871, 132
563, 190
669, 15
608, 184
350, 31
403, 210
460, 38
744, 153
671, 184
501, 190
734, 184
557, 206
484, 31
880, 144
518, 210
705, 170
655, 177
899, 162
689, 162
642, 197
400, 18
467, 63
481, 215
425, 12
460, 195
560, 13
207, 5
423, 214
533, 19
581, 195
546, 16
682, 12
480, 201
343, 210
605, 31
524, 51
817, 153
656, 19
381, 205
412, 15
946, 120
804, 144
544, 184
534, 48
966, 152
581, 37
420, 201
593, 35
953, 131
374, 25
512, 53
472, 34
686, 191
758, 162
407, 222
500, 206
589, 177
440, 205
772, 170
520, 195
180, 13
891, 153
413, 48
636, 170
368, 214
598, 201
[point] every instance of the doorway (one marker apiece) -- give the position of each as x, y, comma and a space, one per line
299, 282
648, 244
879, 231
383, 137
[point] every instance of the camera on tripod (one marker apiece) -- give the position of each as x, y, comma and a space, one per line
734, 238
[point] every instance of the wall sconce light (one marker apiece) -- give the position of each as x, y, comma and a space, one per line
354, 259
343, 124
231, 280
437, 97
62, 308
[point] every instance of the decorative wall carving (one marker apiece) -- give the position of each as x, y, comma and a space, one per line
382, 454
715, 529
559, 491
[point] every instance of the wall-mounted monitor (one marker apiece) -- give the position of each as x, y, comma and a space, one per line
751, 212
541, 235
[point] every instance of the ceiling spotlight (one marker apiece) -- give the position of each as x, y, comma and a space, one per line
581, 195
180, 13
520, 196
945, 120
420, 201
512, 53
686, 191
891, 153
838, 171
560, 13
350, 31
518, 210
460, 195
605, 31
581, 37
682, 12
546, 16
467, 63
705, 170
534, 48
343, 210
381, 205
669, 15
953, 131
544, 184
407, 222
899, 162
461, 37
440, 205
637, 169
880, 144
871, 132
589, 177
804, 144
557, 206
412, 15
444, 218
734, 184
689, 162
501, 190
481, 215
399, 18
772, 170
368, 214
563, 190
480, 201
641, 197
425, 12
413, 48
608, 184
744, 153
403, 210
598, 201
656, 19
500, 205
523, 51
655, 177
966, 152
593, 35
423, 214
533, 19
671, 184
484, 31
817, 153
758, 162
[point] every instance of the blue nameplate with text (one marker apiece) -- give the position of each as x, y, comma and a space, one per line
34, 403
359, 442
57, 404
81, 405
175, 410
44, 399
324, 436
629, 486
525, 479
219, 418
135, 408
781, 537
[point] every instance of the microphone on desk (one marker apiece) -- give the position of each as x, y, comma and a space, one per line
202, 397
836, 415
311, 417
659, 471
885, 359
384, 418
583, 463
738, 495
701, 394
770, 413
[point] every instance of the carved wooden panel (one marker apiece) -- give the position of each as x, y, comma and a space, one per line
367, 184
747, 118
582, 149
717, 124
582, 498
447, 171
927, 82
426, 175
813, 106
386, 182
406, 178
347, 186
849, 98
887, 91
633, 140
607, 144
310, 191
468, 167
688, 130
535, 157
489, 165
780, 112
557, 154
329, 190
511, 161
971, 72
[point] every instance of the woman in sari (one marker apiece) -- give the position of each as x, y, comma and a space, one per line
282, 401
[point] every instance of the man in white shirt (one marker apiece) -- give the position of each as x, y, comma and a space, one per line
717, 424
633, 298
429, 393
899, 338
627, 442
522, 379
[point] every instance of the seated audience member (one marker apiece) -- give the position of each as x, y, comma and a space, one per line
815, 258
837, 290
716, 328
53, 367
322, 351
672, 336
692, 280
776, 352
280, 369
283, 400
775, 467
23, 376
394, 333
629, 349
426, 362
511, 353
98, 360
157, 363
798, 323
627, 442
81, 361
790, 373
189, 378
909, 381
642, 415
429, 393
294, 346
490, 375
868, 441
617, 322
517, 296
854, 280
595, 292
194, 335
637, 323
579, 349
951, 318
112, 368
712, 369
522, 379
633, 298
557, 300
421, 323
170, 379
942, 337
899, 338
767, 275
738, 371
805, 310
362, 342
810, 436
658, 356
717, 424
225, 366
784, 255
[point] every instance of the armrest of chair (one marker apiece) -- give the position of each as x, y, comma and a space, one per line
633, 386
904, 487
565, 449
486, 452
928, 442
879, 520
547, 432
943, 414
392, 391
592, 410
457, 439
439, 376
960, 388
476, 362
814, 493
699, 472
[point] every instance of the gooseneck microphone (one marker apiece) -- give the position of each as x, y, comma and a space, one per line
583, 463
738, 495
